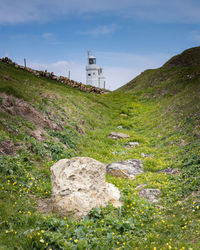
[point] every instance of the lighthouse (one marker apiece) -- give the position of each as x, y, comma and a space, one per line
94, 73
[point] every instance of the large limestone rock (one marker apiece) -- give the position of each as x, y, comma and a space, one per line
78, 185
125, 169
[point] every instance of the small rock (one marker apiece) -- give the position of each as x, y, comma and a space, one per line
132, 144
125, 169
119, 127
170, 171
55, 78
141, 186
116, 135
150, 194
146, 155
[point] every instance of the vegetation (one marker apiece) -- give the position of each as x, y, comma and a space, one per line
160, 109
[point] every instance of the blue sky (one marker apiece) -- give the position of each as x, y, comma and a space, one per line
126, 36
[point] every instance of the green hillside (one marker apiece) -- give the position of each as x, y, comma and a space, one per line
43, 121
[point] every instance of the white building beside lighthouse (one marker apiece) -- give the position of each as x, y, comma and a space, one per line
94, 73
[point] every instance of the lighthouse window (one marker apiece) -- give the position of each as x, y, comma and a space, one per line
93, 73
89, 74
92, 60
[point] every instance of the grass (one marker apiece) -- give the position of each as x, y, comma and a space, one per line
163, 118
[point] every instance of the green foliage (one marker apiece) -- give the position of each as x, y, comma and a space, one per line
37, 147
55, 149
67, 136
161, 112
11, 91
191, 173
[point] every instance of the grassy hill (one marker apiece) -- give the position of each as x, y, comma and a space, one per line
43, 121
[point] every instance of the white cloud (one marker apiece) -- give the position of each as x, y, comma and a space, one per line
119, 68
50, 38
184, 11
100, 30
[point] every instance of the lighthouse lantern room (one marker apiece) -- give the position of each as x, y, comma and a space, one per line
94, 74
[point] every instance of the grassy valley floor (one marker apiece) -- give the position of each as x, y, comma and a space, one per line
167, 129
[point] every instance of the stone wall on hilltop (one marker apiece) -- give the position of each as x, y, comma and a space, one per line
62, 79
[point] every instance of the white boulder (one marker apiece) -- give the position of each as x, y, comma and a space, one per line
78, 185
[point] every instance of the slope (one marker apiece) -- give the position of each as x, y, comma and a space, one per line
175, 87
43, 121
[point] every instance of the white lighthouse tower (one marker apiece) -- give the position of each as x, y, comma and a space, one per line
94, 74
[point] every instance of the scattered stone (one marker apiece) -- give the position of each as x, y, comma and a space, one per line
116, 135
141, 186
146, 155
132, 144
150, 194
119, 127
56, 78
78, 185
61, 78
7, 60
125, 169
170, 171
160, 207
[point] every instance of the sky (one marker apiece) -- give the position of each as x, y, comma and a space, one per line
127, 37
